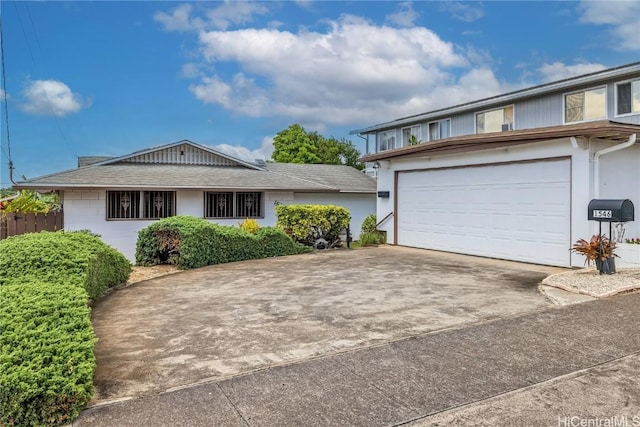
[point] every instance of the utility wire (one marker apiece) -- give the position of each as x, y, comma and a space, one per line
4, 94
25, 34
35, 32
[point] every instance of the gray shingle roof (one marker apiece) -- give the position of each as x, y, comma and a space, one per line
288, 177
341, 177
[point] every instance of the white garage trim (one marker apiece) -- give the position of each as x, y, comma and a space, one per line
516, 210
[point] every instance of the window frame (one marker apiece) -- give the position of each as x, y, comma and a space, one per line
439, 123
589, 89
513, 118
140, 214
379, 139
234, 200
615, 96
412, 127
148, 206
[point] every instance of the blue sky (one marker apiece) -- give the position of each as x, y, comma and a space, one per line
109, 78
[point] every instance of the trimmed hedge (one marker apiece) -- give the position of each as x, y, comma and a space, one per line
62, 257
191, 242
46, 337
46, 357
307, 223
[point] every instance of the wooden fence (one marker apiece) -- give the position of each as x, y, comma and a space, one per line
14, 224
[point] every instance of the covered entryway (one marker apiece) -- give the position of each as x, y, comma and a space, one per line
517, 211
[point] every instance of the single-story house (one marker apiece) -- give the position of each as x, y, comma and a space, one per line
116, 197
511, 176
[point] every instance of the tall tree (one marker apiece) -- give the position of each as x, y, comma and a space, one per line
296, 145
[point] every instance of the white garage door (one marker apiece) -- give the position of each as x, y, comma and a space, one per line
515, 211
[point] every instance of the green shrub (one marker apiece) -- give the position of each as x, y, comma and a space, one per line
191, 242
46, 353
63, 257
308, 223
369, 224
375, 237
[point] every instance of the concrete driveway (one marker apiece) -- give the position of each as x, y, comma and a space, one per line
219, 321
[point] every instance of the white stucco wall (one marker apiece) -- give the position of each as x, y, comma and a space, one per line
621, 169
86, 210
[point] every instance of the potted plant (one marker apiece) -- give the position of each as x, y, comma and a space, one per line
599, 250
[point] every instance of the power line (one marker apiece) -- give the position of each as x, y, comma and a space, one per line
35, 32
25, 34
4, 94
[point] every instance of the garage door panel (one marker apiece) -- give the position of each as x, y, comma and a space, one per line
513, 211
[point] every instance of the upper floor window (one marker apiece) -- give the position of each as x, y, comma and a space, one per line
628, 97
140, 204
387, 140
585, 105
496, 120
233, 205
410, 135
440, 129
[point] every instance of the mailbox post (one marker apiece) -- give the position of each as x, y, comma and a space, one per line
609, 210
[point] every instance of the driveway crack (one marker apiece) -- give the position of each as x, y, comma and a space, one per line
233, 405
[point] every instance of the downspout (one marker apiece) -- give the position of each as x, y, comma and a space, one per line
366, 141
596, 161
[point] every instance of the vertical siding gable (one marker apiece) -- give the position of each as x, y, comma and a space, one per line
183, 154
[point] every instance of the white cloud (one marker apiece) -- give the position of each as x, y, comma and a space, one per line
50, 98
466, 12
235, 12
405, 17
221, 17
559, 70
178, 20
243, 153
620, 16
2, 95
354, 72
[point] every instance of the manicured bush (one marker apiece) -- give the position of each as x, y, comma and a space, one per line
309, 223
191, 242
46, 338
46, 353
63, 257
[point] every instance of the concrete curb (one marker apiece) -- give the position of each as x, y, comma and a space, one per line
551, 281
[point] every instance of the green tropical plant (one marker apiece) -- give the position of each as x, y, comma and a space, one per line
413, 140
32, 202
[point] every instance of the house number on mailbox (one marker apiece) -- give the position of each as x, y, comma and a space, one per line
601, 213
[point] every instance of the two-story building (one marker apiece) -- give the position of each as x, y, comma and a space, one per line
511, 176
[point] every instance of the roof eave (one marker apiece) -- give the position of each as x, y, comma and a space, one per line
60, 186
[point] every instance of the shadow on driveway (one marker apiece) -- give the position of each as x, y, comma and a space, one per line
223, 320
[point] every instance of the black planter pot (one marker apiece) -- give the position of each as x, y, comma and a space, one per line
608, 266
